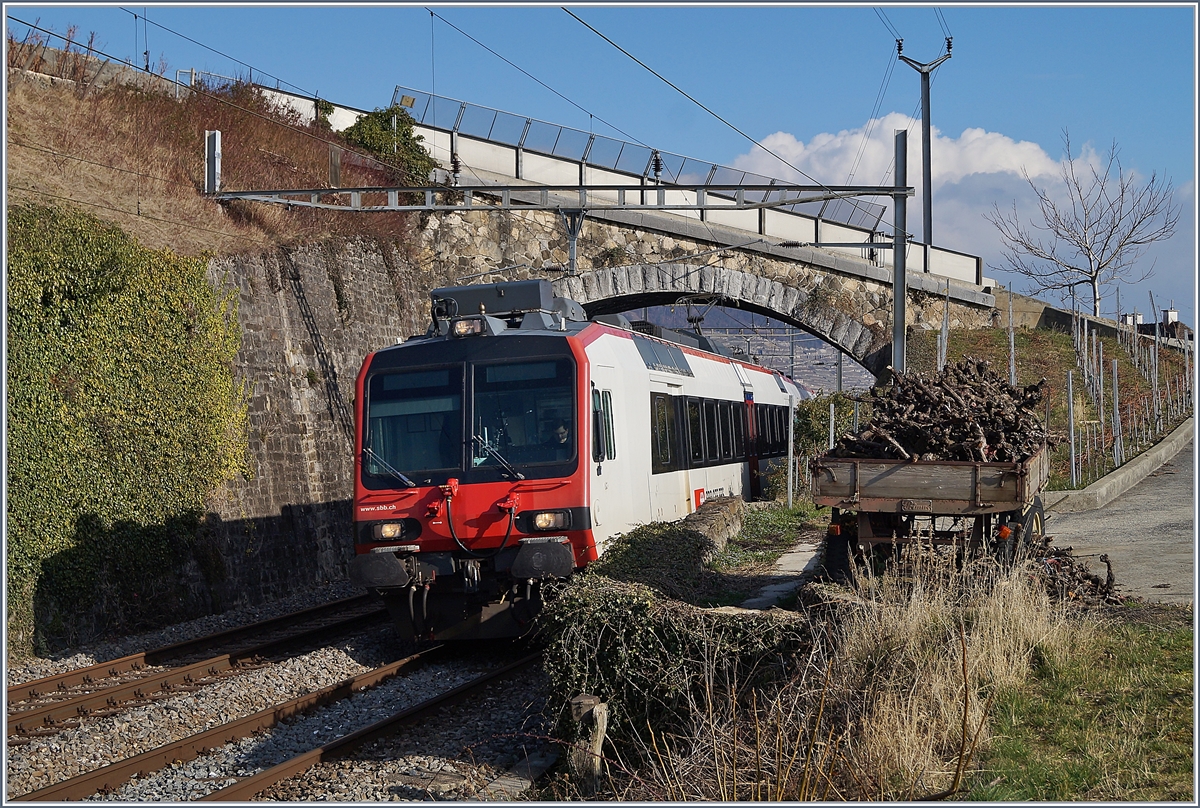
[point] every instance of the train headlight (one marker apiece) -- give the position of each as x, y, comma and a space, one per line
465, 328
551, 520
389, 530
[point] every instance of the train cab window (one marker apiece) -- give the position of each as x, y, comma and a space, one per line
662, 427
413, 425
610, 438
712, 431
523, 412
695, 431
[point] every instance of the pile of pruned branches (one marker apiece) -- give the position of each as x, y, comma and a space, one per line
967, 412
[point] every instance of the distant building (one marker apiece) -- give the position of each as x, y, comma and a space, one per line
1169, 326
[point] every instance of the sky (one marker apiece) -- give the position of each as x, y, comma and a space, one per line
819, 86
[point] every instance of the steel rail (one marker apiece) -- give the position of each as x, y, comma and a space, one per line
133, 662
31, 720
248, 787
112, 776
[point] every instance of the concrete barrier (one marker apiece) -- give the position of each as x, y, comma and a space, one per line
1111, 486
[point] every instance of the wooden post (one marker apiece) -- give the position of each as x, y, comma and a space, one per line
591, 715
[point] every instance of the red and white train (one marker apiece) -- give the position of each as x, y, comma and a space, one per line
515, 439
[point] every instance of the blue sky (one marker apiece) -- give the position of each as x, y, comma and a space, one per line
804, 79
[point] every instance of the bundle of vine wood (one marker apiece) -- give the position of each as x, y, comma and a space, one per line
967, 412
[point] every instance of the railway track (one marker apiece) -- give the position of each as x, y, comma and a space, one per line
48, 705
108, 778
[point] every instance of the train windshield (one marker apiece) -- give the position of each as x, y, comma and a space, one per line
520, 417
414, 425
523, 413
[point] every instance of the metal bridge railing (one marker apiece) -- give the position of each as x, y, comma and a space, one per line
620, 156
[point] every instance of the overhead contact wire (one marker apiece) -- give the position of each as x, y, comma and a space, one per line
854, 203
535, 78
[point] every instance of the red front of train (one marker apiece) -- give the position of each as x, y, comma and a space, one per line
471, 484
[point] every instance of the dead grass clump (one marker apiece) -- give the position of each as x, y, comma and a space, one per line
920, 654
882, 693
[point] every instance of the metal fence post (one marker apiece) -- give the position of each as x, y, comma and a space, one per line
1071, 423
791, 446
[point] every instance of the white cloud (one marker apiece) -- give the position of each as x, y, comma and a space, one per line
829, 158
971, 173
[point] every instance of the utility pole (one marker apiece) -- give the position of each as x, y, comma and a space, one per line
927, 201
899, 243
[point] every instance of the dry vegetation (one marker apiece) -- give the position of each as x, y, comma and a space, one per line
135, 157
881, 692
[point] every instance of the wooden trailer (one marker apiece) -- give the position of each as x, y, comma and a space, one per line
881, 504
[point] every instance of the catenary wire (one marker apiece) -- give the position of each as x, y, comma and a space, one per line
100, 165
219, 53
136, 215
535, 78
872, 120
883, 18
853, 202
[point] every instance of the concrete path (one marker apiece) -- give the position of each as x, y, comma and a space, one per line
793, 568
1149, 534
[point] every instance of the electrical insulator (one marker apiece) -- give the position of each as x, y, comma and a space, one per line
949, 43
899, 46
656, 165
455, 166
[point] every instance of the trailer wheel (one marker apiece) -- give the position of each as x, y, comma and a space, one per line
1033, 525
838, 559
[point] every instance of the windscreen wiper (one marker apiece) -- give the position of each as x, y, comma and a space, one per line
487, 447
371, 453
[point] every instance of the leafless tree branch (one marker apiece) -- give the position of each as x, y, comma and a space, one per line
1094, 232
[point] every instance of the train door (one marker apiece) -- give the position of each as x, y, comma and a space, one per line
751, 484
670, 493
617, 460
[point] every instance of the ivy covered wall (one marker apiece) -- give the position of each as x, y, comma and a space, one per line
123, 415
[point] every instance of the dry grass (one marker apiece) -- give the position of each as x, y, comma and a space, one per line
136, 157
900, 665
892, 700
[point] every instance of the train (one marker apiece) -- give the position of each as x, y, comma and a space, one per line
515, 439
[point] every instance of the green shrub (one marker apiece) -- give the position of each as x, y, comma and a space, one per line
398, 147
123, 417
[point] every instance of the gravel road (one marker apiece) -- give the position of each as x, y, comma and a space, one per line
1149, 533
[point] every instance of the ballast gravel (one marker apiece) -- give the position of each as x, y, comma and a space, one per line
456, 755
27, 670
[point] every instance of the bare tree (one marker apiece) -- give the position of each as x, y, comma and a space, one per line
1094, 233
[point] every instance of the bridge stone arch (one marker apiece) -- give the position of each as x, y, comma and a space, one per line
864, 336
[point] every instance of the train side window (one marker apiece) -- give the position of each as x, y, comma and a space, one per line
695, 431
739, 430
663, 428
726, 411
712, 431
780, 438
610, 438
